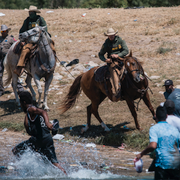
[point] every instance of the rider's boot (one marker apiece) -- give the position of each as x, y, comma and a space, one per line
21, 63
19, 70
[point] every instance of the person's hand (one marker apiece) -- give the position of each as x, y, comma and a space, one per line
114, 56
138, 156
50, 126
108, 61
64, 172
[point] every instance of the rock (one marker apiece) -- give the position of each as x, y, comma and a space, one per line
154, 77
57, 76
79, 67
91, 63
161, 92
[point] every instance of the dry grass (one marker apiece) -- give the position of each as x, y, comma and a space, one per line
155, 29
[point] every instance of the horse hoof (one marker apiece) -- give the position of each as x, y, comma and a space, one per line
84, 129
139, 128
107, 129
46, 108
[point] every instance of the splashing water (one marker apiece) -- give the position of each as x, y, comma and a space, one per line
92, 174
32, 165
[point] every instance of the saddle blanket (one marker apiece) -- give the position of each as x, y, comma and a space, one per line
101, 73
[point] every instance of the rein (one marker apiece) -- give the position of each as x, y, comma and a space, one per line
34, 51
129, 80
141, 91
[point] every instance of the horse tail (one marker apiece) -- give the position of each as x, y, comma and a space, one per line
73, 94
8, 70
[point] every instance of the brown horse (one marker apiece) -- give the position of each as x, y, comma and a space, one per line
134, 85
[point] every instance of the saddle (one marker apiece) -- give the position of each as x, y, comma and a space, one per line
102, 73
18, 48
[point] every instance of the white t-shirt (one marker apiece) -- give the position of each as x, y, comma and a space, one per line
174, 121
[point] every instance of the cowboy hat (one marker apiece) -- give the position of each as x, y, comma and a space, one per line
110, 32
33, 8
5, 28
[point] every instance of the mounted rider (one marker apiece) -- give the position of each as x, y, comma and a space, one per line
6, 42
29, 23
115, 47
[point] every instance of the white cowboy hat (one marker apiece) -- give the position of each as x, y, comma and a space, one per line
5, 28
33, 8
110, 32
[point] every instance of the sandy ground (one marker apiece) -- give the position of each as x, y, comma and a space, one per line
145, 31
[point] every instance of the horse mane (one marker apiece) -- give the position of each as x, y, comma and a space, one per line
48, 37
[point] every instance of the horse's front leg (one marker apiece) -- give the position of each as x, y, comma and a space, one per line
47, 84
37, 82
28, 83
147, 101
133, 112
14, 86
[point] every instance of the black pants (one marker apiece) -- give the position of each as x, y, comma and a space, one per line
44, 147
166, 174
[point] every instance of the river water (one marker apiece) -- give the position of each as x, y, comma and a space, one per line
79, 161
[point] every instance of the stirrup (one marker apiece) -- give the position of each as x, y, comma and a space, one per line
19, 70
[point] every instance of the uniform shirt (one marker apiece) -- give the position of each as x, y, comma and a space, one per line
167, 138
6, 43
175, 97
31, 23
117, 46
174, 121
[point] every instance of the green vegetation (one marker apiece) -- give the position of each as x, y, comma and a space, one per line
162, 50
135, 140
12, 126
138, 140
21, 4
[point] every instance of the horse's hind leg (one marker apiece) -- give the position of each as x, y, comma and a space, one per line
28, 82
47, 84
93, 109
133, 112
14, 86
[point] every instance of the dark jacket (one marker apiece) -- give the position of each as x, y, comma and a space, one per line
31, 23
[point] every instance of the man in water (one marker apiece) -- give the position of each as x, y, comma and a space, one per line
37, 125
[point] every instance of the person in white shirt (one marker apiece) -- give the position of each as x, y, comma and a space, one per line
171, 119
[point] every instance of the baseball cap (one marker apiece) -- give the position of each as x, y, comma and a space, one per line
168, 82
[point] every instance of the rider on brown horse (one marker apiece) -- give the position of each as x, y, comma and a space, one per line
115, 47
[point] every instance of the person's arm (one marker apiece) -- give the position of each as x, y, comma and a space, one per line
151, 147
102, 52
38, 111
153, 138
26, 124
43, 23
125, 49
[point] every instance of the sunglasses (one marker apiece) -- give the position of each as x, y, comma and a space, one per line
3, 31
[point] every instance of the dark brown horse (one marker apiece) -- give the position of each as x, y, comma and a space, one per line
134, 85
